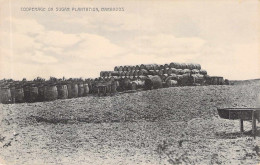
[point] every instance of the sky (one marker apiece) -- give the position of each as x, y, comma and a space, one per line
222, 36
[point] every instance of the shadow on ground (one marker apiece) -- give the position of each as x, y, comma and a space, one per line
234, 135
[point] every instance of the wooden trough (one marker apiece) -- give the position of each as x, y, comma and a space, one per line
242, 114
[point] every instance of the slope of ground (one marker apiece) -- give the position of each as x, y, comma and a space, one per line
165, 126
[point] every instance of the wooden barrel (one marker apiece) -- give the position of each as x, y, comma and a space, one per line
203, 72
184, 79
12, 89
80, 89
142, 66
19, 95
156, 72
136, 73
50, 93
30, 94
151, 72
183, 65
151, 67
122, 77
112, 78
125, 68
221, 81
197, 66
191, 66
108, 74
124, 73
131, 73
163, 77
131, 77
41, 93
198, 79
171, 77
5, 95
140, 83
178, 65
102, 73
62, 91
137, 84
213, 80
165, 70
116, 77
90, 86
179, 71
121, 73
174, 70
171, 83
166, 66
116, 68
133, 86
142, 72
173, 65
127, 73
186, 71
161, 66
226, 82
129, 68
169, 71
86, 89
160, 73
153, 82
114, 86
137, 67
142, 78
207, 79
126, 83
195, 71
120, 68
72, 90
115, 73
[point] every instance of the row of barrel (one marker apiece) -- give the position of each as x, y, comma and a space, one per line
145, 72
158, 67
154, 69
38, 93
34, 92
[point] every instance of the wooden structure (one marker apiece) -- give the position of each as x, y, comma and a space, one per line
242, 114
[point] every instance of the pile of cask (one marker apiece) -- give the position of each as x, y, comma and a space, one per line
34, 91
122, 78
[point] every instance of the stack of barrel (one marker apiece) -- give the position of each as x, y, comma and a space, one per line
33, 91
149, 76
122, 78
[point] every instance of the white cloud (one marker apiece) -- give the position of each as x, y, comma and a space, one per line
41, 58
95, 47
57, 39
167, 45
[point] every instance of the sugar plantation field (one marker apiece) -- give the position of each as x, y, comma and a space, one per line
165, 126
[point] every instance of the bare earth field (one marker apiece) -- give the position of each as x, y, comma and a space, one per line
178, 125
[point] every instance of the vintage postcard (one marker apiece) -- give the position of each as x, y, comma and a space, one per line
129, 82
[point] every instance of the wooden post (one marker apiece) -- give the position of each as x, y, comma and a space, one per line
241, 126
253, 124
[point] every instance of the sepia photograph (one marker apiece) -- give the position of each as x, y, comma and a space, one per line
129, 82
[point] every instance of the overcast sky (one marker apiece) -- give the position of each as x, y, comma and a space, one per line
222, 36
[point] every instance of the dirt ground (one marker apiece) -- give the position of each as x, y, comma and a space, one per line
178, 125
